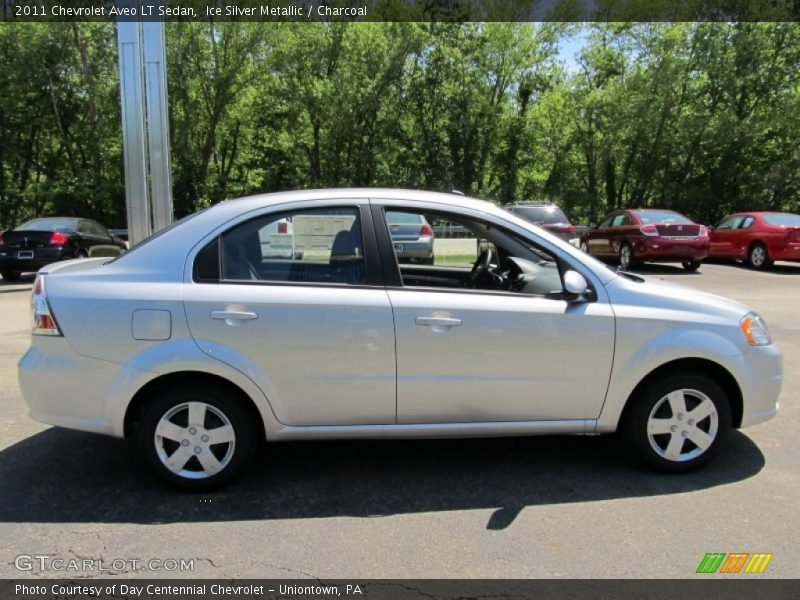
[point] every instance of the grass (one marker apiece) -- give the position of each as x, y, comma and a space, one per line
454, 260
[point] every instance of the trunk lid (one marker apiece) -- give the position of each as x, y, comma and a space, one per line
678, 230
26, 240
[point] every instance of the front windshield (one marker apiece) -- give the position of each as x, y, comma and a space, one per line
600, 269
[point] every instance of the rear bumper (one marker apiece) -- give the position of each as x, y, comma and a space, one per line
10, 260
66, 389
415, 249
565, 235
678, 250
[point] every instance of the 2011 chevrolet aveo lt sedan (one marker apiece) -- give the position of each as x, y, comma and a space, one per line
203, 340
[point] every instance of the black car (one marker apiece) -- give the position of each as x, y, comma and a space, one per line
545, 214
40, 242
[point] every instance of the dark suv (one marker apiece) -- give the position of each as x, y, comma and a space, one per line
545, 214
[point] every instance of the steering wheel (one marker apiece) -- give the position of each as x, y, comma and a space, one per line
480, 270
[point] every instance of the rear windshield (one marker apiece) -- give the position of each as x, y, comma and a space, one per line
548, 215
62, 225
785, 219
402, 217
661, 216
158, 234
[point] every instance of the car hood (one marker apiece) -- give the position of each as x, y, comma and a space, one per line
655, 293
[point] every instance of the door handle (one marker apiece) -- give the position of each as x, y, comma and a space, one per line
233, 315
438, 321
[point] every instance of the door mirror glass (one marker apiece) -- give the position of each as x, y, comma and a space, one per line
575, 284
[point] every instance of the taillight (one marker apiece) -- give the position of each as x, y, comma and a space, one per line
425, 230
58, 239
703, 231
44, 322
571, 228
649, 230
283, 227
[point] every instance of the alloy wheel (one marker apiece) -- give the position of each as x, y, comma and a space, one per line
625, 257
758, 256
195, 440
682, 425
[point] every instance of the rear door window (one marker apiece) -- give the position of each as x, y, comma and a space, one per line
324, 246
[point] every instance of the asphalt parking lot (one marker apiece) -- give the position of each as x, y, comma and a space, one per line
523, 507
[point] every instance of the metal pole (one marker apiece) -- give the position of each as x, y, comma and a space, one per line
155, 75
133, 142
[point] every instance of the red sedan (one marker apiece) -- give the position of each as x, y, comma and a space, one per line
651, 235
758, 238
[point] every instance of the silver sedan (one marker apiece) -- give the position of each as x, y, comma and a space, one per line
200, 344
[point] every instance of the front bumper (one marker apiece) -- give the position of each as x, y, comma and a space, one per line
762, 384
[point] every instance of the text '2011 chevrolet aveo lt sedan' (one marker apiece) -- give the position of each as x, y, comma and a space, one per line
203, 340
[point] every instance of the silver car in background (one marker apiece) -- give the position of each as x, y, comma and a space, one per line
201, 342
412, 237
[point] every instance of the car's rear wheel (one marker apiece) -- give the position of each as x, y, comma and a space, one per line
11, 275
758, 257
691, 265
626, 257
678, 422
81, 254
197, 437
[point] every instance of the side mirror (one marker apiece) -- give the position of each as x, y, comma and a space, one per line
575, 284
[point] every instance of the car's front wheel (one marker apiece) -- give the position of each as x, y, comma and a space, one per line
11, 275
197, 437
678, 422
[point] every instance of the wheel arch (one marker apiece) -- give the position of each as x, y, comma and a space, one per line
148, 391
717, 372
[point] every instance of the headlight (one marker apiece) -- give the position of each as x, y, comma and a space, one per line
755, 330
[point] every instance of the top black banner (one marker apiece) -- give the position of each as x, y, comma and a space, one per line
401, 10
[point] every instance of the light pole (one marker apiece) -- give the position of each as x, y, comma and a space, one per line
145, 122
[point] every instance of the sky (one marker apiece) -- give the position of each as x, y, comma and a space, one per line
569, 46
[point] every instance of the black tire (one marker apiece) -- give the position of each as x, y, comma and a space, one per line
427, 261
653, 401
233, 456
81, 254
627, 259
758, 257
691, 265
11, 275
